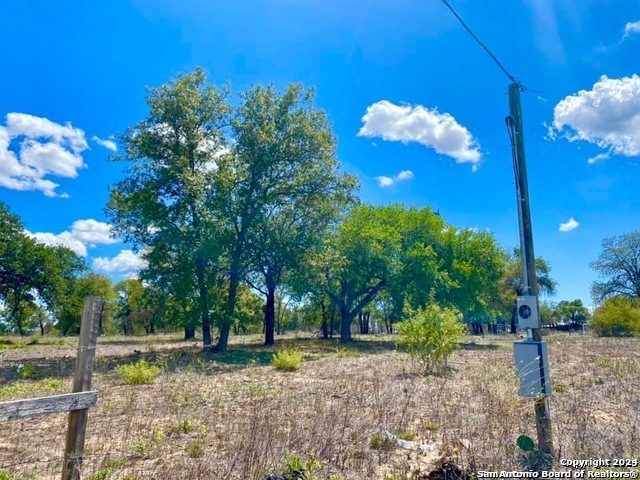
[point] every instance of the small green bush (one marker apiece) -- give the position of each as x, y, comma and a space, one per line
287, 360
379, 442
195, 449
302, 468
618, 317
26, 370
430, 335
140, 373
47, 386
101, 474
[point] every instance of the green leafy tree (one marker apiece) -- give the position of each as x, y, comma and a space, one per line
69, 308
173, 157
361, 260
288, 145
275, 193
573, 312
618, 316
32, 275
549, 314
132, 310
475, 265
511, 284
619, 267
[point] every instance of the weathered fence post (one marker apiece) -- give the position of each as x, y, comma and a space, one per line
74, 447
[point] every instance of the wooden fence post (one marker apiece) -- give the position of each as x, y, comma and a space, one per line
74, 446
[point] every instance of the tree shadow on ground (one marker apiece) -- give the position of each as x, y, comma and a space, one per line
479, 346
193, 358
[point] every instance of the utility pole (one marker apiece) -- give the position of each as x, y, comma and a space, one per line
528, 304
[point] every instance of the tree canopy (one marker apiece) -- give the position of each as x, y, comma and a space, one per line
619, 268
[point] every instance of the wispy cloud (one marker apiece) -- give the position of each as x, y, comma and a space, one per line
631, 28
108, 144
570, 225
599, 157
403, 176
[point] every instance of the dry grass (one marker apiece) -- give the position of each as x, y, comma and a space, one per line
236, 417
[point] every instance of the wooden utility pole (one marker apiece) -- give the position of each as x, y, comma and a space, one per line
543, 417
74, 447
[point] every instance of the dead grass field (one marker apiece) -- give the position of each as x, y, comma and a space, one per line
235, 417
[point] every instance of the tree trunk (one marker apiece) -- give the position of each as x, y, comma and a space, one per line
41, 327
225, 327
345, 326
204, 304
332, 327
270, 315
514, 314
325, 325
189, 332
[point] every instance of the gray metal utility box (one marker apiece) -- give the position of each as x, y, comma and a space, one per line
532, 366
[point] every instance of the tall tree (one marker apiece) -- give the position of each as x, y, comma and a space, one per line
31, 274
173, 157
573, 312
303, 191
131, 307
276, 191
619, 267
361, 260
69, 308
475, 265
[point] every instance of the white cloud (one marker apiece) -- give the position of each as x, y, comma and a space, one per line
82, 235
404, 175
385, 181
108, 144
598, 158
125, 262
631, 28
32, 148
428, 127
608, 115
64, 239
572, 224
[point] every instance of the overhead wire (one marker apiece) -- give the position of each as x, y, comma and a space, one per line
484, 47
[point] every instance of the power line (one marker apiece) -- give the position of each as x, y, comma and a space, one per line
483, 46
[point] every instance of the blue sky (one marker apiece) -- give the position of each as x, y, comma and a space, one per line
418, 109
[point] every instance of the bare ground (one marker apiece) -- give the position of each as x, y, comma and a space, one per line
234, 417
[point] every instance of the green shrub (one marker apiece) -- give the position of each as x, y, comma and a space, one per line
185, 425
101, 474
298, 467
287, 360
379, 442
4, 475
430, 335
139, 373
47, 386
26, 370
195, 449
616, 318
